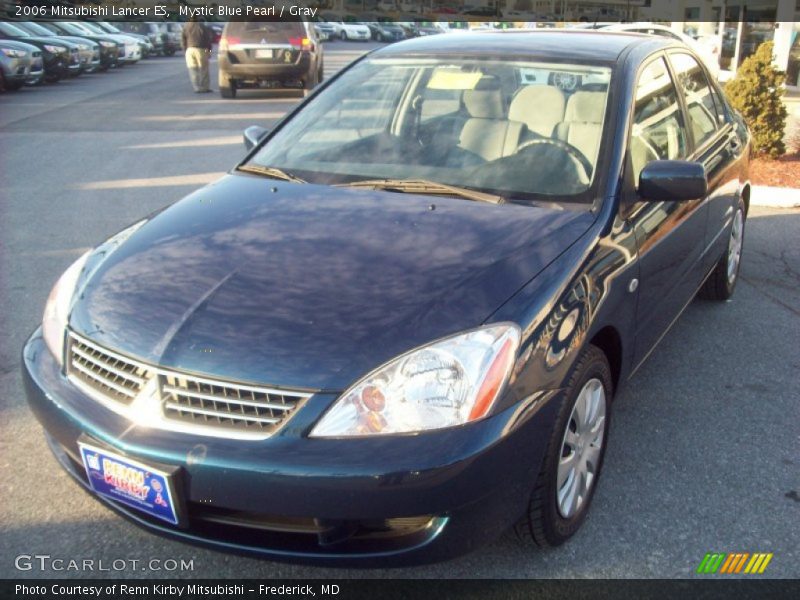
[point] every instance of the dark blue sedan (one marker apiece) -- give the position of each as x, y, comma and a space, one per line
395, 330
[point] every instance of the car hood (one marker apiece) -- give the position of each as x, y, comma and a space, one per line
307, 286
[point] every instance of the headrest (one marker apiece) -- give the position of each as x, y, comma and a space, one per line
539, 107
585, 107
485, 101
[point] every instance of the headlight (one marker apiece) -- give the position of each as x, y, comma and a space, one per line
83, 46
450, 382
54, 49
54, 322
13, 53
108, 44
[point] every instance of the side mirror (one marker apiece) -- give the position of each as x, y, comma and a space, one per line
253, 135
672, 180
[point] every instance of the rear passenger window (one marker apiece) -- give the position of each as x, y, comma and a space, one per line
658, 131
703, 113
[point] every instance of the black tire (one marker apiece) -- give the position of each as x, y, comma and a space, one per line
13, 86
169, 52
542, 524
720, 286
228, 91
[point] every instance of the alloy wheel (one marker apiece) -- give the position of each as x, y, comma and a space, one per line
735, 245
581, 449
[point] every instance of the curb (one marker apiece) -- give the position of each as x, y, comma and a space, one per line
774, 197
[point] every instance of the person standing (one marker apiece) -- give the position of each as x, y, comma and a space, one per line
197, 43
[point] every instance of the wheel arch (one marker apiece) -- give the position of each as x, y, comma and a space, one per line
609, 341
745, 193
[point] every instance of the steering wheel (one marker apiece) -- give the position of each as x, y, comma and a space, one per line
574, 154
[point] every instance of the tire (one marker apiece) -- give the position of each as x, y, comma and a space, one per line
169, 52
547, 521
227, 86
722, 282
13, 86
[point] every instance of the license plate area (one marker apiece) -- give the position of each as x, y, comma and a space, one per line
263, 53
147, 488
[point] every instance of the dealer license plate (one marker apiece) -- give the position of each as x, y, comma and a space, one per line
130, 482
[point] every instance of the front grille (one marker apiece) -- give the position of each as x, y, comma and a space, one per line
107, 373
185, 402
226, 405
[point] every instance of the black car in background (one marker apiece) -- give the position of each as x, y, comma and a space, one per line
397, 327
110, 48
386, 31
255, 54
59, 56
88, 50
172, 37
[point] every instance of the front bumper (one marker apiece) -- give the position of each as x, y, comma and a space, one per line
396, 500
17, 69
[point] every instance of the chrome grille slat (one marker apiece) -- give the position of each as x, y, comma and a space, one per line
220, 415
101, 380
226, 399
125, 375
188, 403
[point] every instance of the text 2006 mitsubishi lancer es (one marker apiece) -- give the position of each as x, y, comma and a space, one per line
395, 330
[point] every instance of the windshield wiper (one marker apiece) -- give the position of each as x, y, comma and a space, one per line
273, 172
424, 186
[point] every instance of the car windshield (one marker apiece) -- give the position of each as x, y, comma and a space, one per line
92, 27
35, 29
78, 28
13, 30
108, 28
70, 28
518, 129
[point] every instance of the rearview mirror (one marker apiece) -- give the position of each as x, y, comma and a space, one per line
253, 135
672, 180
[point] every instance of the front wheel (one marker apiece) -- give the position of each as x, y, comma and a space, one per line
722, 281
566, 483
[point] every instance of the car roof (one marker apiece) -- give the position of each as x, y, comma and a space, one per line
558, 45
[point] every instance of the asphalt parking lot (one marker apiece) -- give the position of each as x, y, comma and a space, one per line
704, 451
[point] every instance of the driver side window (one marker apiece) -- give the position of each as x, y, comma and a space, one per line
658, 131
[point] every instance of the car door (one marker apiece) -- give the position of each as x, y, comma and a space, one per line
716, 145
670, 235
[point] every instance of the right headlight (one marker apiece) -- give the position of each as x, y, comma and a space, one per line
56, 312
54, 49
447, 383
105, 44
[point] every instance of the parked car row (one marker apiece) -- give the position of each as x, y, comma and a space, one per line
44, 51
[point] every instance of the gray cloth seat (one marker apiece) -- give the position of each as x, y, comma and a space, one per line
487, 132
540, 107
583, 122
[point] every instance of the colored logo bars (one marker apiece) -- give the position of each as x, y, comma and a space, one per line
735, 562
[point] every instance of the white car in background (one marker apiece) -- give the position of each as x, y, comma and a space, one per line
348, 30
706, 46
